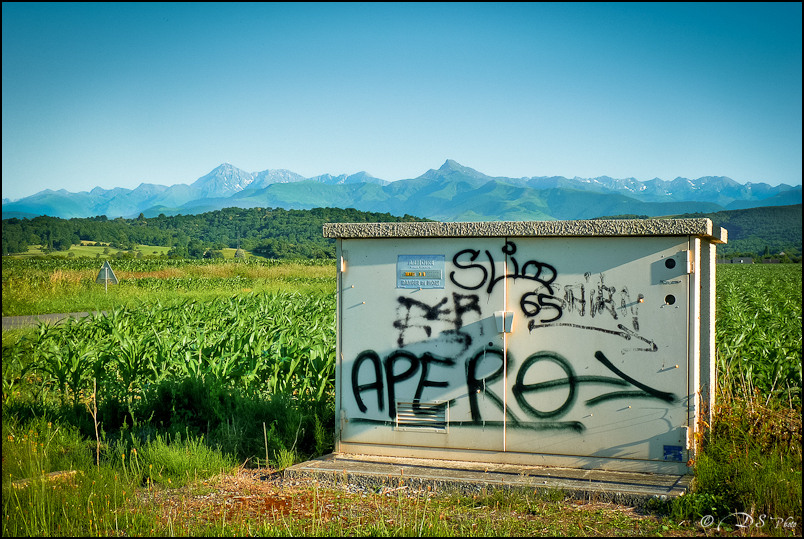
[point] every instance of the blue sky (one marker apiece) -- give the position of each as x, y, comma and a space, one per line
113, 95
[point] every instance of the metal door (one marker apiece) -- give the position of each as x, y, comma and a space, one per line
597, 356
574, 347
422, 362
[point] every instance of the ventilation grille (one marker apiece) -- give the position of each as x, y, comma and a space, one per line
422, 415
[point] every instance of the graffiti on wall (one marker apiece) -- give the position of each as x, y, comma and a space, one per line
545, 302
375, 380
419, 318
473, 275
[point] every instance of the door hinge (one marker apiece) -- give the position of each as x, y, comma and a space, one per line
689, 261
343, 260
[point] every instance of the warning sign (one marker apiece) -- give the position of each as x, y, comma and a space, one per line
420, 271
106, 275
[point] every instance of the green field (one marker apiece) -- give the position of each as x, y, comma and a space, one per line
90, 249
205, 367
57, 285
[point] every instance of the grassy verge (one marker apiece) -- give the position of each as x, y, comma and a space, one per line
751, 462
749, 472
288, 510
52, 487
183, 487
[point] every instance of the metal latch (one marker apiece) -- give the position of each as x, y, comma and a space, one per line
504, 320
683, 262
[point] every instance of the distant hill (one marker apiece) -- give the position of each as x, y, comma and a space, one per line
280, 233
452, 192
752, 230
270, 232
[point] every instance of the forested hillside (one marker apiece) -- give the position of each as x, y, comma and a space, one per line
273, 233
280, 233
760, 231
754, 232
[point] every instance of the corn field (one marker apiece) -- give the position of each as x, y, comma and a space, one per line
758, 331
242, 376
280, 343
283, 343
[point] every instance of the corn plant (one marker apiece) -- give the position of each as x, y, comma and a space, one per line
67, 358
758, 330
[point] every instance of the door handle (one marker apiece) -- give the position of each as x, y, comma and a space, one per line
504, 320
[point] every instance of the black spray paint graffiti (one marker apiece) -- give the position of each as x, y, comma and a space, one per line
601, 299
621, 331
384, 378
531, 303
542, 302
542, 272
418, 321
425, 316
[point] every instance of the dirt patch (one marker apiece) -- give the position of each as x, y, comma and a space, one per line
249, 494
265, 497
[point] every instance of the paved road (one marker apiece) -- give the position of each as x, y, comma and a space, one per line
18, 322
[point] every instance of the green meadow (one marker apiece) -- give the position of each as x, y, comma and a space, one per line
57, 284
93, 249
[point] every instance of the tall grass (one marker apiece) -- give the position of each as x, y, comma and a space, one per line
752, 457
85, 499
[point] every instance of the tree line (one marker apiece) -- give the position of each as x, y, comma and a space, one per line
268, 232
766, 232
769, 232
279, 233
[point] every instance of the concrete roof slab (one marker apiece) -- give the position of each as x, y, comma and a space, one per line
702, 227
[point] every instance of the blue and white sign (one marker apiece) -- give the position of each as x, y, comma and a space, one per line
420, 271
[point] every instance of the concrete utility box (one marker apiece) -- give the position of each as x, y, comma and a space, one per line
586, 344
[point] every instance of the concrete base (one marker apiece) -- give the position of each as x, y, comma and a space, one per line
374, 472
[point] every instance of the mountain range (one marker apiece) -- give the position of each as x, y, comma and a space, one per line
452, 192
